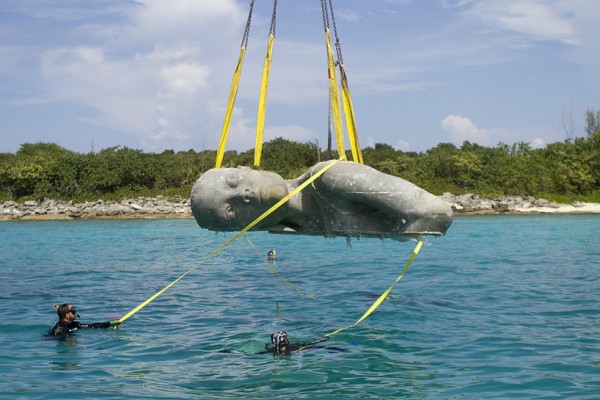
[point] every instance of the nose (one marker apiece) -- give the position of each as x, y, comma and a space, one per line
248, 195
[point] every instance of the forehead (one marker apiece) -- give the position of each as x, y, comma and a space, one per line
217, 187
225, 175
232, 177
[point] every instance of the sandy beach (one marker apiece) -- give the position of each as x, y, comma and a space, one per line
575, 208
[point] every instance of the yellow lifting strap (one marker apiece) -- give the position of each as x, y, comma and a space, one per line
378, 302
229, 111
262, 103
334, 98
350, 119
237, 235
235, 82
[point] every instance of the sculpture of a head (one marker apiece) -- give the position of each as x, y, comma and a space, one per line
231, 198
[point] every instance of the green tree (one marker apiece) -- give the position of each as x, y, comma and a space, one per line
288, 158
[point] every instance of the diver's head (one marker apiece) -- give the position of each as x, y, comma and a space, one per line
271, 255
281, 341
228, 199
66, 310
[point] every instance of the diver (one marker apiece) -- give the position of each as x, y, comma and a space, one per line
271, 255
66, 325
282, 346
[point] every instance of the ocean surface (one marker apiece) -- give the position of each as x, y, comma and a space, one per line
502, 307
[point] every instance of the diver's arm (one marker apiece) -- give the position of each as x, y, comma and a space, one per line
100, 325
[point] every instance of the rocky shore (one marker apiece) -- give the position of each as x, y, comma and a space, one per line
160, 207
142, 207
474, 204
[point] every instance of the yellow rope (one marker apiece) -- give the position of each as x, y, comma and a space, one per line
350, 118
237, 235
377, 303
334, 99
262, 103
235, 82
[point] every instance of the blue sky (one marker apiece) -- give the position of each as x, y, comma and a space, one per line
155, 75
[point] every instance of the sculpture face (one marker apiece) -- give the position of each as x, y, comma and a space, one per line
231, 198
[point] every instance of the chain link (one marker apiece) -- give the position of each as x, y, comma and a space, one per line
273, 18
338, 46
247, 30
325, 15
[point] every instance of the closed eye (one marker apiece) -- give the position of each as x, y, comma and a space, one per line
232, 181
229, 213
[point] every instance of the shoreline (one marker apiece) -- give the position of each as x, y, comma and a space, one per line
472, 204
138, 208
161, 208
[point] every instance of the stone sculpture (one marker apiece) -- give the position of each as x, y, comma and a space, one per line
349, 199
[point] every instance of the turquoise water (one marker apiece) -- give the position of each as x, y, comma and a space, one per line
502, 307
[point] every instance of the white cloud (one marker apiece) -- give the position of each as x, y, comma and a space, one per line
163, 95
149, 97
159, 72
184, 78
183, 21
538, 143
174, 86
537, 20
461, 129
162, 54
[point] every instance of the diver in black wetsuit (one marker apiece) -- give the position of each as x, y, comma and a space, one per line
67, 314
283, 347
281, 344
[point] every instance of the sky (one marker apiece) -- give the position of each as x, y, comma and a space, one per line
155, 75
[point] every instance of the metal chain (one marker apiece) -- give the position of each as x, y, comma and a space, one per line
325, 15
338, 46
273, 18
247, 30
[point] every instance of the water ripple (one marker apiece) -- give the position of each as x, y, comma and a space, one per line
503, 307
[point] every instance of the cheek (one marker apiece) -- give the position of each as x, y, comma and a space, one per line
273, 193
245, 214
